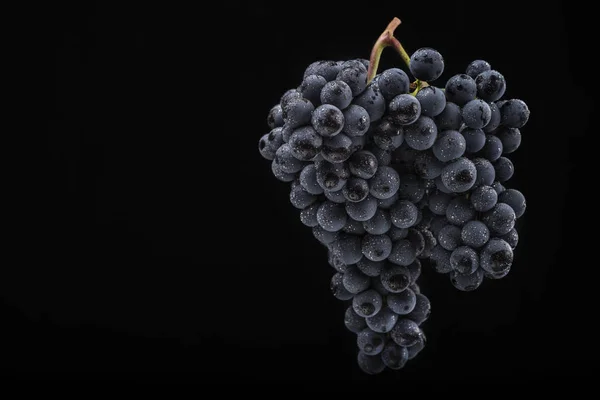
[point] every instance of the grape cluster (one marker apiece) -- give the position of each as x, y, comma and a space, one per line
388, 179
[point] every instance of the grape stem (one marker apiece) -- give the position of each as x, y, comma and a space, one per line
387, 39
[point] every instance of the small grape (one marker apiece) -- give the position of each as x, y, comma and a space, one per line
450, 117
417, 239
330, 176
493, 148
331, 216
386, 204
449, 237
403, 253
383, 321
438, 202
308, 216
475, 234
396, 233
378, 286
410, 188
269, 143
355, 76
393, 82
476, 114
402, 303
406, 332
432, 99
363, 164
500, 219
362, 210
490, 85
460, 89
323, 236
287, 97
394, 357
484, 198
336, 197
395, 279
326, 68
373, 101
370, 268
404, 214
494, 120
308, 179
459, 175
496, 256
427, 166
426, 64
337, 287
348, 247
460, 211
515, 199
474, 139
311, 87
464, 260
327, 120
370, 342
404, 109
275, 117
504, 169
421, 135
379, 224
415, 271
297, 112
305, 143
371, 365
498, 187
356, 120
510, 139
416, 348
384, 183
354, 280
440, 260
337, 149
388, 136
355, 189
514, 113
512, 238
337, 93
376, 247
334, 258
354, 322
422, 309
300, 198
466, 282
286, 160
449, 146
430, 243
476, 67
367, 303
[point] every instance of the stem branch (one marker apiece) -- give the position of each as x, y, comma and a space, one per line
385, 39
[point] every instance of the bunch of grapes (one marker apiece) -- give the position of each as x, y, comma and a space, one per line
391, 174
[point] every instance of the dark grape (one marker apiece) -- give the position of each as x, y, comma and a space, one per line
337, 149
311, 87
323, 236
362, 210
363, 164
492, 149
275, 117
355, 189
404, 109
376, 247
490, 85
496, 256
393, 82
403, 253
336, 197
459, 175
406, 332
355, 76
402, 303
450, 117
370, 268
394, 357
334, 258
486, 174
336, 93
416, 348
305, 143
475, 234
484, 198
421, 311
476, 67
460, 89
476, 114
466, 282
386, 204
287, 97
286, 161
379, 224
348, 247
326, 68
432, 99
510, 139
460, 211
449, 237
500, 219
331, 216
515, 200
371, 365
367, 303
308, 179
438, 202
356, 121
421, 134
383, 321
512, 238
372, 101
396, 233
474, 139
337, 287
354, 280
440, 260
494, 120
415, 271
504, 169
427, 166
327, 120
297, 112
370, 342
404, 214
449, 146
410, 188
426, 64
354, 322
514, 113
330, 176
300, 198
498, 187
464, 260
395, 279
308, 216
384, 183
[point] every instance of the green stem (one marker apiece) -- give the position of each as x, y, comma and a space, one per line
385, 39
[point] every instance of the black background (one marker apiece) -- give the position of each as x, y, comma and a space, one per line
163, 250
